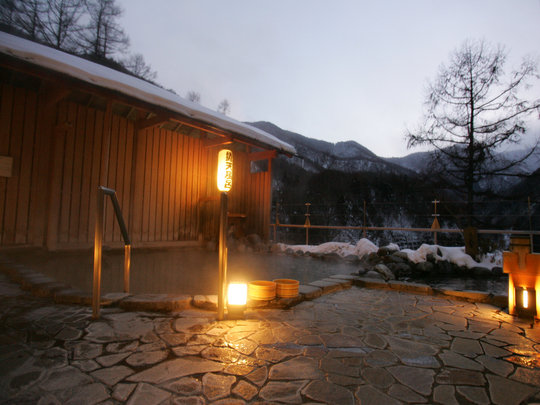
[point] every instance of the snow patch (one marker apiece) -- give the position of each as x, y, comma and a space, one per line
455, 255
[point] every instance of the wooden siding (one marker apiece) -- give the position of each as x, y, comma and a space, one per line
18, 112
161, 178
166, 187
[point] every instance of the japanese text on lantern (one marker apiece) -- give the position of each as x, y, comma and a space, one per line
225, 170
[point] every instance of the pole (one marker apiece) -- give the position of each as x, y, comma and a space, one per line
364, 219
222, 276
98, 245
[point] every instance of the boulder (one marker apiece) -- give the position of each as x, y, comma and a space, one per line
278, 248
351, 259
424, 267
481, 271
386, 250
332, 256
373, 274
374, 258
402, 255
254, 239
289, 251
400, 269
392, 259
444, 267
497, 271
384, 272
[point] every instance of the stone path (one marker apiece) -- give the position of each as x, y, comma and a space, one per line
354, 346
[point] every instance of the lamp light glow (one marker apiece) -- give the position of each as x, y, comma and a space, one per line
525, 298
225, 170
237, 294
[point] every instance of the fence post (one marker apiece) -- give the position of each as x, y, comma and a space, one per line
364, 219
435, 225
307, 224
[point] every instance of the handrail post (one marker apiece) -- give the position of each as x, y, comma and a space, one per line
98, 247
127, 266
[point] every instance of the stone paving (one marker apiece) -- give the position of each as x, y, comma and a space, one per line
353, 346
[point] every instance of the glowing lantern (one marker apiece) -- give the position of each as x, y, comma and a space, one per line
236, 297
225, 170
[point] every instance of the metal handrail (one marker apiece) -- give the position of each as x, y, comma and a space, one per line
98, 246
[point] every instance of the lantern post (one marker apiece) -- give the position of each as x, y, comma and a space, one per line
224, 184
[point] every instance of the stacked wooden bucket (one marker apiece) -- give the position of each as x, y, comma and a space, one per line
268, 290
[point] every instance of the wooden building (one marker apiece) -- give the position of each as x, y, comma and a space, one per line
68, 125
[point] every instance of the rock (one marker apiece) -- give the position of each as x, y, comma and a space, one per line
444, 267
332, 256
373, 274
497, 271
289, 251
254, 239
351, 258
400, 269
260, 247
277, 248
482, 271
424, 267
402, 255
374, 257
430, 257
392, 259
384, 272
386, 250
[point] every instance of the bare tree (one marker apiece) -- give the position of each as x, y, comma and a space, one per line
224, 107
472, 110
8, 15
30, 16
103, 37
136, 65
194, 96
61, 25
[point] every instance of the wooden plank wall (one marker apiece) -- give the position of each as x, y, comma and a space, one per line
159, 177
166, 187
18, 113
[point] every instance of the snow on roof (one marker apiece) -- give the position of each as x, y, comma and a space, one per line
105, 77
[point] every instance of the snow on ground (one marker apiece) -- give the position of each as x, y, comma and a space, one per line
454, 255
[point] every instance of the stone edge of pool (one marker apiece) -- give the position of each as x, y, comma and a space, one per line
42, 286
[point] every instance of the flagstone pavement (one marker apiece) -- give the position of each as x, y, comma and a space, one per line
354, 346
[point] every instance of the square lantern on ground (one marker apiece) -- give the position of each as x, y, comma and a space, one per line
525, 302
236, 300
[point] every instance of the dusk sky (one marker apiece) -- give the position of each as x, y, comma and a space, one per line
331, 70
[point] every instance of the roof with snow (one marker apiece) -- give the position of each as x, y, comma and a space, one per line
104, 77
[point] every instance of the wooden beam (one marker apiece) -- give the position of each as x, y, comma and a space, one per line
209, 143
195, 124
265, 154
153, 122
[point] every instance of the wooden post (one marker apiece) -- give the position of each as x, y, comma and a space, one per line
222, 274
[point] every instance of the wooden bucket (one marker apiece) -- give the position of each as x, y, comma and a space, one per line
262, 290
286, 288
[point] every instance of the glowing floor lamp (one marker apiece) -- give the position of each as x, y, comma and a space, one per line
224, 184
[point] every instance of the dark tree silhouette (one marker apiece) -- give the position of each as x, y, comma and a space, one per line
473, 110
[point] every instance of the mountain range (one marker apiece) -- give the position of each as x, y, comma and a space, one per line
350, 157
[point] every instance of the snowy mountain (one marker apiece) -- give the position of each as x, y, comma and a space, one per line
315, 155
